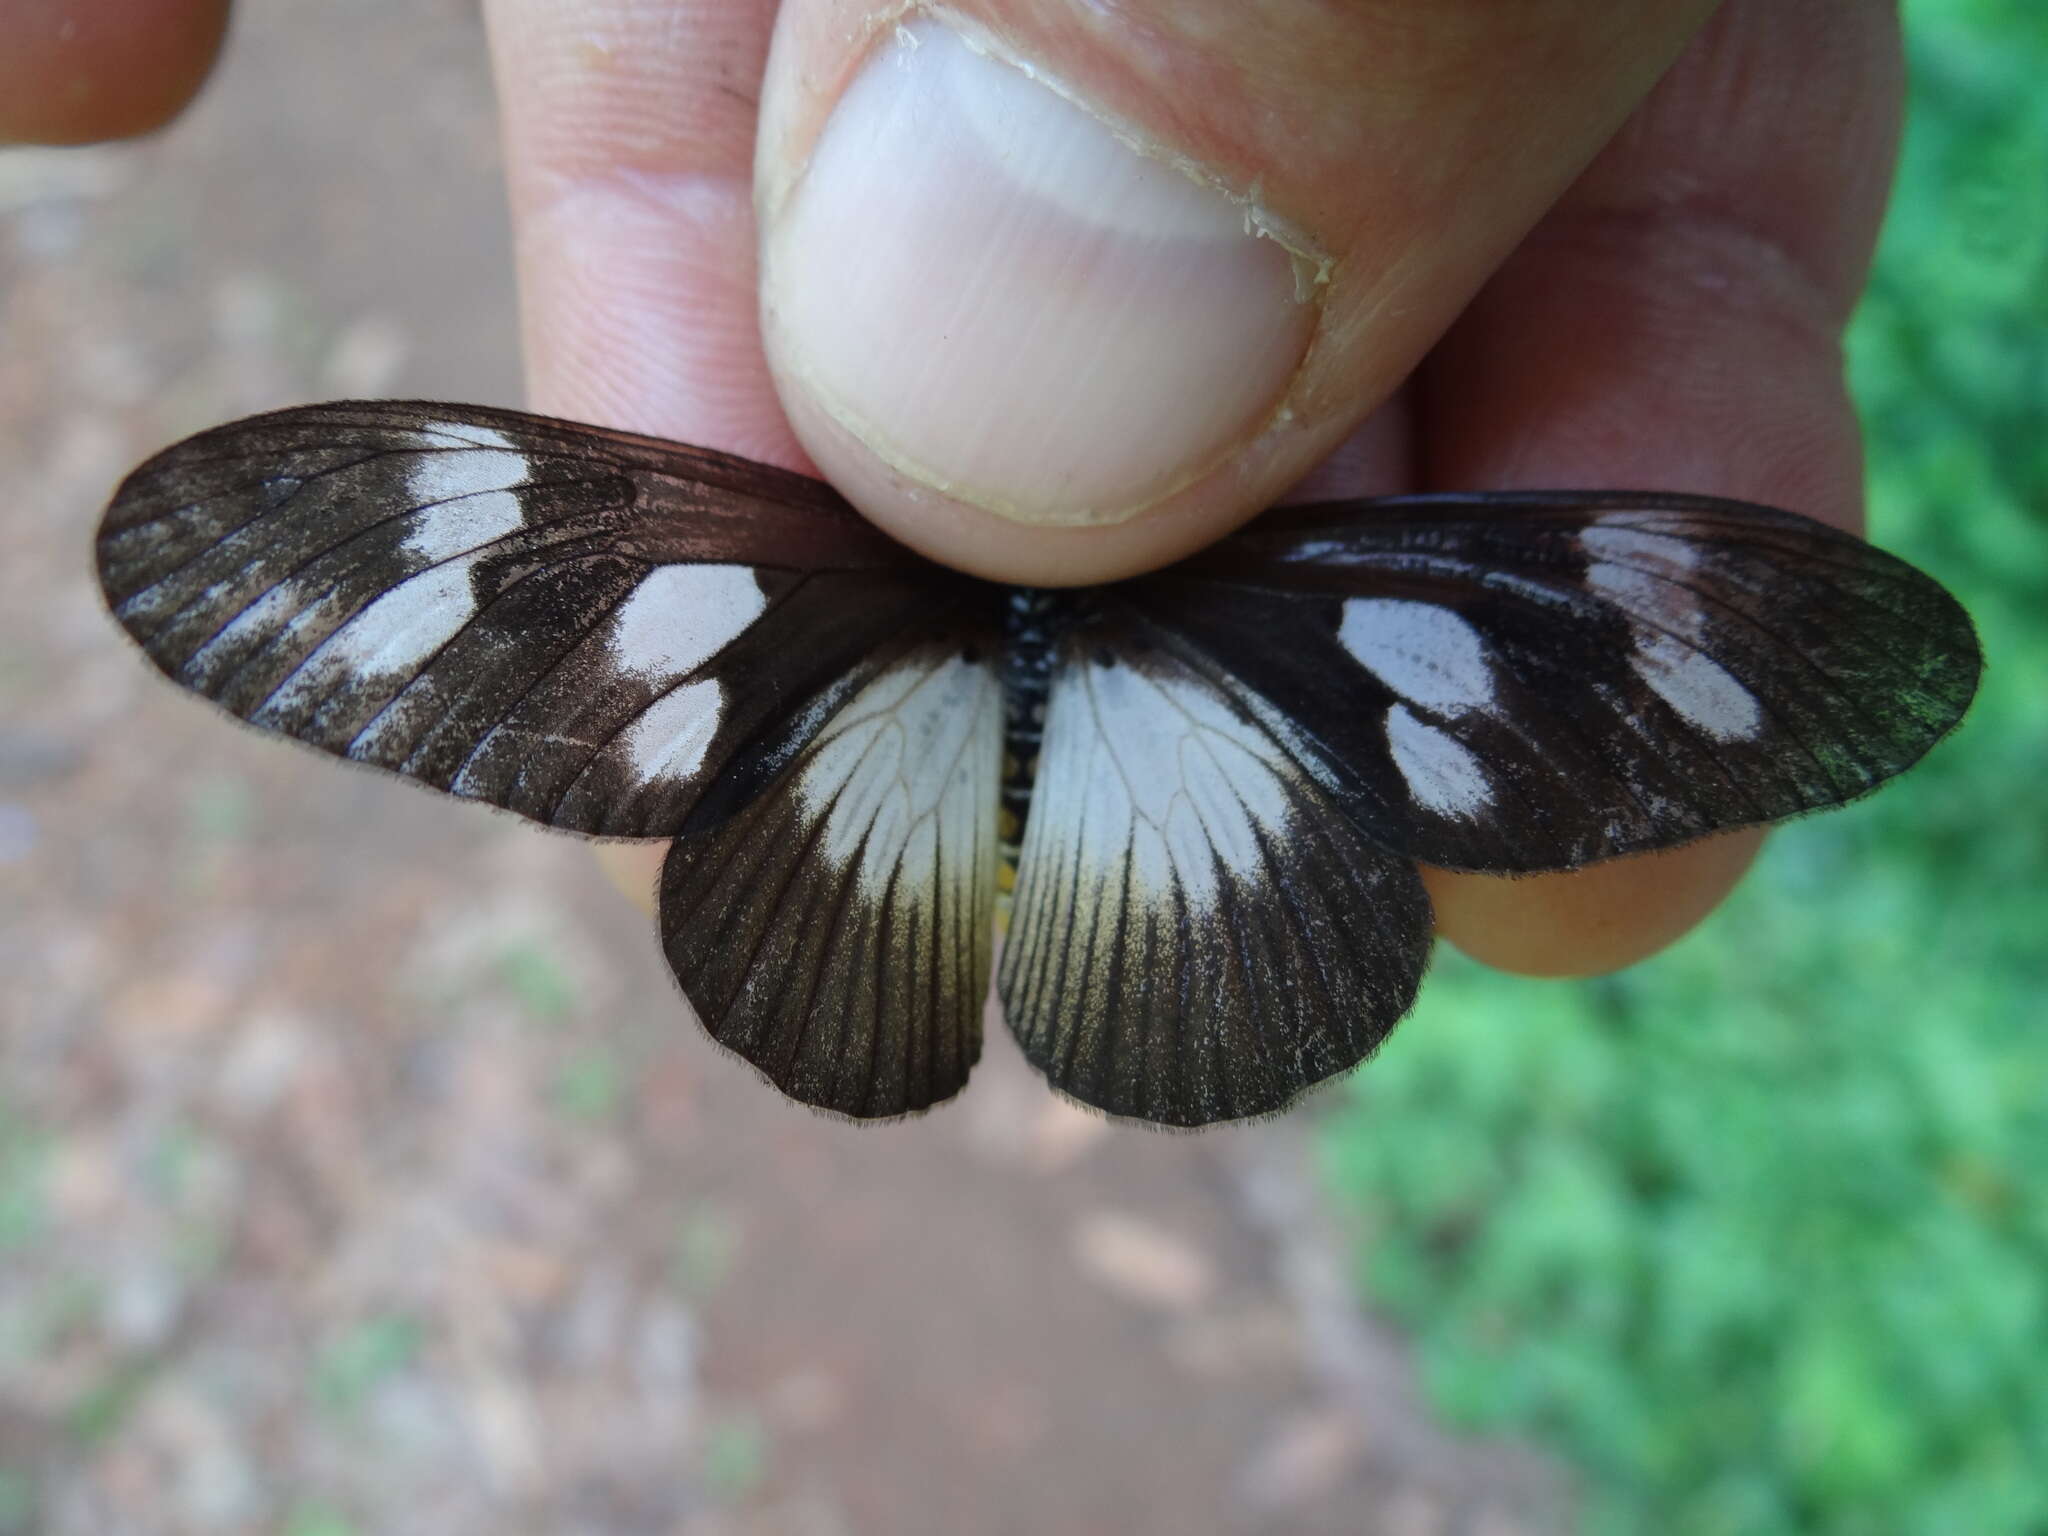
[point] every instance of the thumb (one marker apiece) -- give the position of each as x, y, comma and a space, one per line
1058, 293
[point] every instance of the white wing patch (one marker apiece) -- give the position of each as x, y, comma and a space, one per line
410, 618
469, 432
1651, 574
1442, 773
260, 618
444, 529
674, 621
681, 616
1622, 536
452, 474
1180, 789
1697, 686
391, 638
914, 752
1647, 573
1425, 652
670, 739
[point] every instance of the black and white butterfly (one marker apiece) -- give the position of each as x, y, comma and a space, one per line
1216, 903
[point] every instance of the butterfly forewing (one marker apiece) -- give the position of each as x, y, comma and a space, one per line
1199, 932
837, 931
588, 628
1522, 683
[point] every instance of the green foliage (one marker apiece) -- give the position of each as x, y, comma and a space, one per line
17, 1502
706, 1243
362, 1356
98, 1412
314, 1519
537, 978
1757, 1234
590, 1086
734, 1459
23, 1149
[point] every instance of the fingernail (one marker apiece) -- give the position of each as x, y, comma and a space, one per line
1004, 299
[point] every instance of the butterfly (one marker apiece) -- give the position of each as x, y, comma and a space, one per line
1197, 797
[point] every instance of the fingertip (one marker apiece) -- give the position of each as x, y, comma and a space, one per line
103, 69
1589, 921
972, 538
634, 870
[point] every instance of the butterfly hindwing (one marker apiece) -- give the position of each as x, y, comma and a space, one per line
836, 930
1199, 933
1516, 683
588, 628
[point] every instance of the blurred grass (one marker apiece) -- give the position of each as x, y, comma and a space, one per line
317, 1520
734, 1458
1756, 1235
360, 1357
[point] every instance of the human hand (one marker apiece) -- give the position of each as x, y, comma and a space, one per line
947, 338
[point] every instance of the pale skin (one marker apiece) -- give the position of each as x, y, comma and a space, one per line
1606, 243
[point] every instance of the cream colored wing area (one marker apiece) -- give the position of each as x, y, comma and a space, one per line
837, 930
1198, 933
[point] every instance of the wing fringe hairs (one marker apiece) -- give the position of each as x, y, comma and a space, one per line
1212, 784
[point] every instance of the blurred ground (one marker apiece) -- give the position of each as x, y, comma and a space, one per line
358, 1169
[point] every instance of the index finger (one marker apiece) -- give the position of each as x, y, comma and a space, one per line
629, 151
